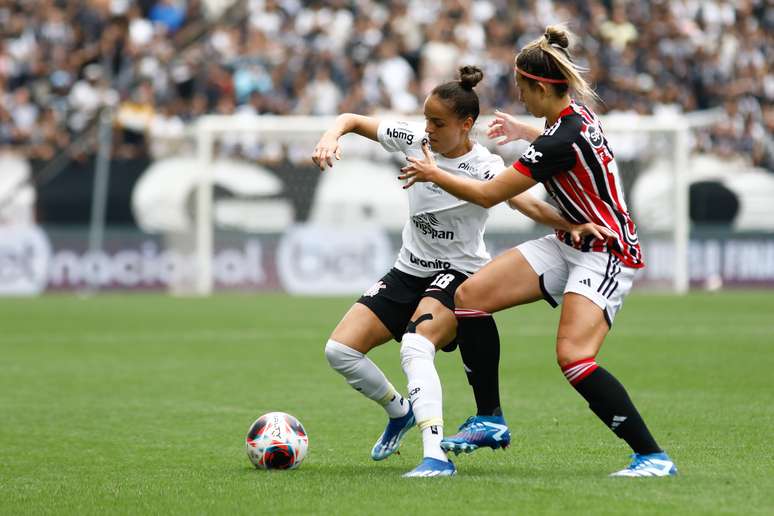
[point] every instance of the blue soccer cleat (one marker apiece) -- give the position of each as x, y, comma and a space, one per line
651, 465
389, 442
430, 467
477, 432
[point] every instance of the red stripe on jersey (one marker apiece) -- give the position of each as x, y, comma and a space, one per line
576, 196
599, 210
519, 166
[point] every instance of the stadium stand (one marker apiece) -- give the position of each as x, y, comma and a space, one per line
164, 63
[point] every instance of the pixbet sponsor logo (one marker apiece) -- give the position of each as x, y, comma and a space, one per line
466, 166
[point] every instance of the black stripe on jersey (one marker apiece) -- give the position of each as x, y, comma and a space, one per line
609, 294
587, 242
565, 204
598, 175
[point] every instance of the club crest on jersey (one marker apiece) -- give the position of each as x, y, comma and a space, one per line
594, 135
531, 154
401, 134
428, 223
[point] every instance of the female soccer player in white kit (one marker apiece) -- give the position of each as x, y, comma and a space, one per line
442, 245
573, 160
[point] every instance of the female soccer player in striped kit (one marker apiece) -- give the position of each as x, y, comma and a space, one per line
442, 245
573, 160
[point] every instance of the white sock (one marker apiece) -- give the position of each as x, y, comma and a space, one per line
365, 377
431, 440
424, 387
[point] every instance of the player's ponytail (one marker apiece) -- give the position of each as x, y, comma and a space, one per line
459, 95
547, 60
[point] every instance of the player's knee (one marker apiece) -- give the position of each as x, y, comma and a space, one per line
438, 328
340, 356
461, 296
415, 349
569, 350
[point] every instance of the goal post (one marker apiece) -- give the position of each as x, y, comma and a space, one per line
303, 131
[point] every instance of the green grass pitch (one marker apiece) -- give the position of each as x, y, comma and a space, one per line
139, 405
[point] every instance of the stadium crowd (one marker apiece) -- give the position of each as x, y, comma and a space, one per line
61, 61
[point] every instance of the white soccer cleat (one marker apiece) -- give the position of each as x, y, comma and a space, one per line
430, 467
651, 465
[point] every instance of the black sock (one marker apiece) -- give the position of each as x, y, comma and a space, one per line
479, 343
608, 399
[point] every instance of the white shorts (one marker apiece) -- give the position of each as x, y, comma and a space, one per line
600, 277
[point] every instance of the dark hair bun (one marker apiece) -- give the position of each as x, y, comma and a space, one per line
470, 76
556, 35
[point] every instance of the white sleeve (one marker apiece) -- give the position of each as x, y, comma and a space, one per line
400, 136
494, 166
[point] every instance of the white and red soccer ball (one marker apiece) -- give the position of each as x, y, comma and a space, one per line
276, 441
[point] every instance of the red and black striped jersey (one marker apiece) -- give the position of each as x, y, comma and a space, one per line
574, 162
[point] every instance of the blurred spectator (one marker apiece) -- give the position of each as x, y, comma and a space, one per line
168, 13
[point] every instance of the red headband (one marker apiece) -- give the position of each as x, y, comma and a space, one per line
538, 78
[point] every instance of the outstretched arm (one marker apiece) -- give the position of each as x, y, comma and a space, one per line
328, 146
505, 185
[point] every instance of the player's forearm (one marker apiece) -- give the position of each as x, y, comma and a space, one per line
531, 132
542, 213
466, 189
351, 123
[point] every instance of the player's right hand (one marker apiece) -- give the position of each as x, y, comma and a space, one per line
579, 231
325, 150
505, 126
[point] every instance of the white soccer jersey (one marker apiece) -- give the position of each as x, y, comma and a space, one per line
443, 232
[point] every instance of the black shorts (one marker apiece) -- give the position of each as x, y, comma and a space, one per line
395, 297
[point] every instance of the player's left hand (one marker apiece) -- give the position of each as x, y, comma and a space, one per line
419, 170
579, 231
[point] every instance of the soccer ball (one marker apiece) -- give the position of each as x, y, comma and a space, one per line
276, 441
